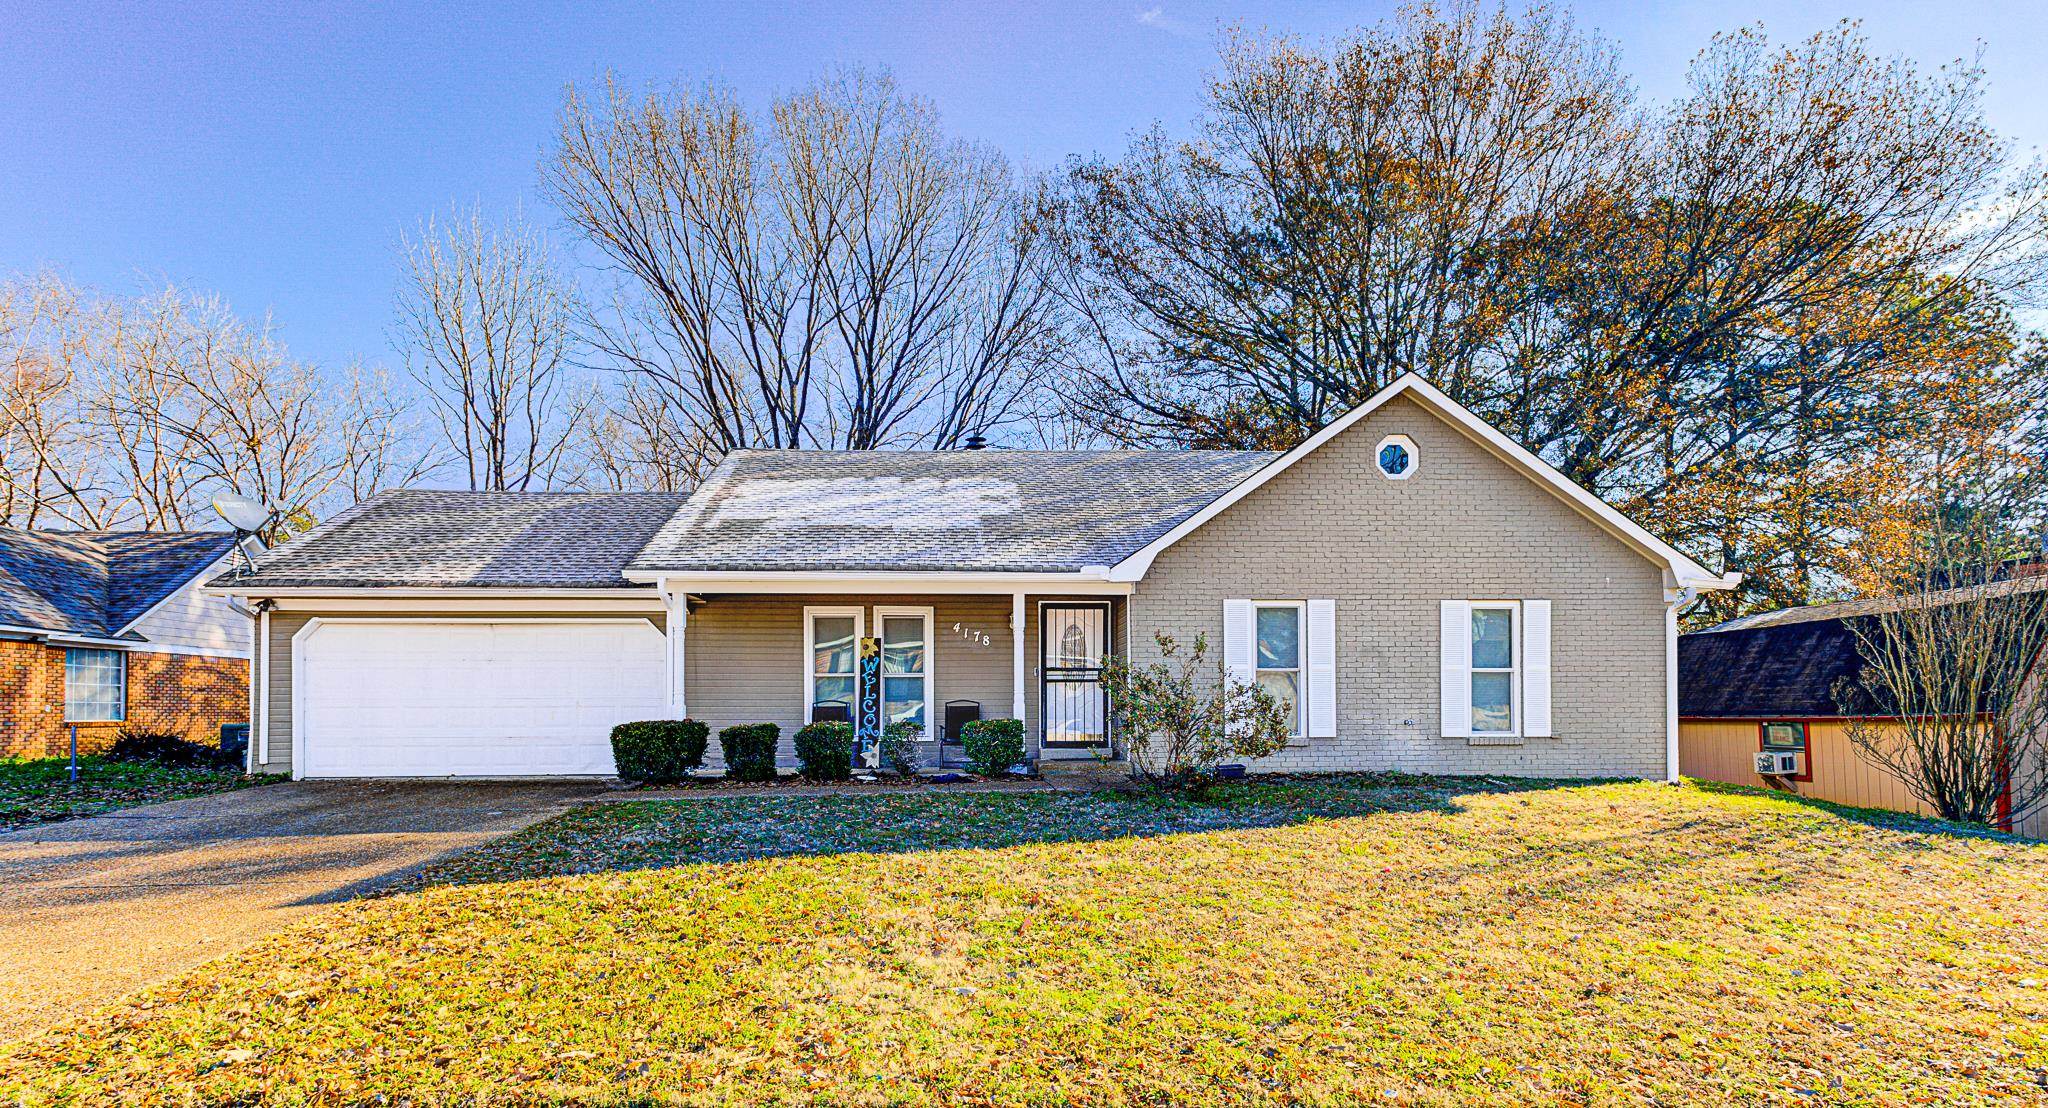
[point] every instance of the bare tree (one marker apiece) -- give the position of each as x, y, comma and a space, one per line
634, 442
484, 322
135, 412
840, 273
1951, 697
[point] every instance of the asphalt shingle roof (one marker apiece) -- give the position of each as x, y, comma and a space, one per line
94, 583
429, 538
1788, 662
975, 510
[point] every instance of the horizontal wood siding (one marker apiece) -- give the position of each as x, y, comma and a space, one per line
1725, 750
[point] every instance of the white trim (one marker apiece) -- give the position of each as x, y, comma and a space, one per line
182, 585
249, 743
418, 592
1688, 572
1405, 443
1017, 622
675, 628
263, 706
859, 614
305, 634
1674, 598
1092, 582
932, 723
459, 605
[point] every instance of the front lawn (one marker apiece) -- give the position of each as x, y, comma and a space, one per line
1310, 942
39, 790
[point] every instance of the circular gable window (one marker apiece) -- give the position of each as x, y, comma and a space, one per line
1396, 457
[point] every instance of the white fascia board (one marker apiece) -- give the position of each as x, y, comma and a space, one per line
1092, 581
418, 592
133, 646
1688, 572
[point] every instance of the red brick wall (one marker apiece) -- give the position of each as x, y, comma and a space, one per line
183, 694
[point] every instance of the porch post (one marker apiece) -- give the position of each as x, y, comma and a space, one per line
1017, 656
678, 625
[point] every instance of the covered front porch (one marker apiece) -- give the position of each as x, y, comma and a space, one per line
937, 653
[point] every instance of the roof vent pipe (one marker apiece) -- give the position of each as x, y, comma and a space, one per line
975, 441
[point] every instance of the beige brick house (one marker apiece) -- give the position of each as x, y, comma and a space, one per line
1426, 594
100, 630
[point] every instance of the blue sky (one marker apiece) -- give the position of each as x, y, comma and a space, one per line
274, 153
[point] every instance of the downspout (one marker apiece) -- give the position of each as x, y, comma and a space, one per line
1674, 599
260, 667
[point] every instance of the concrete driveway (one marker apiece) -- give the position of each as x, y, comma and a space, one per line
94, 909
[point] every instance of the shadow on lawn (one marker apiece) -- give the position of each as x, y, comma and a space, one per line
1884, 818
633, 835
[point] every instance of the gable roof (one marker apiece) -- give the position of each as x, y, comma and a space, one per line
937, 511
1685, 572
440, 538
1787, 662
95, 584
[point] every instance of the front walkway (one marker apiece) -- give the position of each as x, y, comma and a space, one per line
94, 909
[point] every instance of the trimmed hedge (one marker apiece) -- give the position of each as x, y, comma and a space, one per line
750, 750
824, 751
899, 746
659, 751
993, 745
161, 748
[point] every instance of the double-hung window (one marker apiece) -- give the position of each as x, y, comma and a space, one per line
906, 635
95, 685
1278, 657
832, 652
1495, 665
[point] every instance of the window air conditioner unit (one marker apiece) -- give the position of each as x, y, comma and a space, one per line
1780, 763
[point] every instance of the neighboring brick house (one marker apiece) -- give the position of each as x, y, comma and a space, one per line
1425, 593
106, 629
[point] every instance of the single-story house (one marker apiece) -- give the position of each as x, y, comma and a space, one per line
1768, 682
1427, 595
103, 629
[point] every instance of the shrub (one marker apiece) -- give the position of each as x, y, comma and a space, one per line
659, 751
993, 745
750, 750
824, 751
161, 748
1180, 720
899, 746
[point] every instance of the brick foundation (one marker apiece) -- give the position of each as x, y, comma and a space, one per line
184, 694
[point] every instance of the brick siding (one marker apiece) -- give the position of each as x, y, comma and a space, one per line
184, 694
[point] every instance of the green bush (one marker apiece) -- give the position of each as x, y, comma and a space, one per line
750, 750
161, 748
659, 751
993, 745
824, 751
899, 746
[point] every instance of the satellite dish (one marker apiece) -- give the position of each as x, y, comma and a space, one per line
242, 513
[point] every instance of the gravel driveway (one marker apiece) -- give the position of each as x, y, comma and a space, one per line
96, 908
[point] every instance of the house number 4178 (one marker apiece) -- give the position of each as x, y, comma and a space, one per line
979, 638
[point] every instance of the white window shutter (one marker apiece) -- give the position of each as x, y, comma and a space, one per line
1321, 634
1455, 693
1239, 640
1536, 668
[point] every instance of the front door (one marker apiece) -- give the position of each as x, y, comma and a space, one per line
1073, 641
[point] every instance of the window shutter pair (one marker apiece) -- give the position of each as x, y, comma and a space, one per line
1318, 663
1454, 703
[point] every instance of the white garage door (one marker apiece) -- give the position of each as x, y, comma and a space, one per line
468, 699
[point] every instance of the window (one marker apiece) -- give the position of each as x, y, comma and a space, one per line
1395, 457
833, 651
1787, 737
1493, 669
1277, 664
906, 664
95, 685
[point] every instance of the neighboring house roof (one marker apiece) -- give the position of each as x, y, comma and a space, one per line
433, 538
960, 510
95, 584
1788, 662
1685, 572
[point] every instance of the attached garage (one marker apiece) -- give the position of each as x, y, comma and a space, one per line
470, 698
